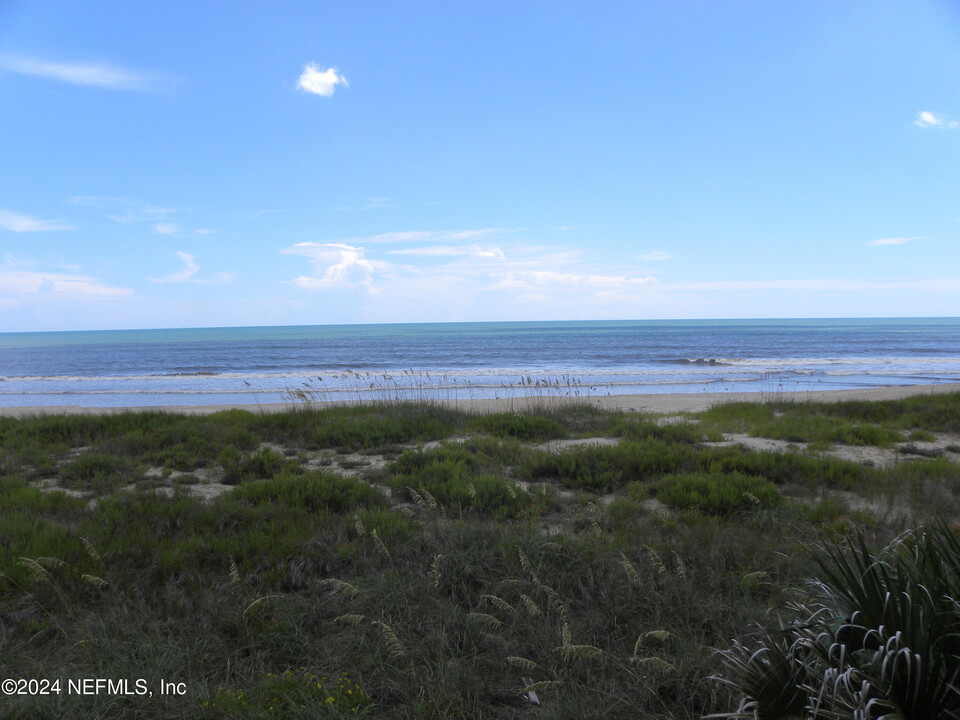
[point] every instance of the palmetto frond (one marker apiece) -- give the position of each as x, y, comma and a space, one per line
885, 643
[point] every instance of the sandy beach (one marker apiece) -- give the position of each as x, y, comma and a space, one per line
654, 403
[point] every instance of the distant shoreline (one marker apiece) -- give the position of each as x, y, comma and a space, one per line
654, 403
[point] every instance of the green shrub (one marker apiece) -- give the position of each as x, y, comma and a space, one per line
313, 492
23, 534
928, 469
852, 423
880, 641
864, 435
443, 461
604, 469
230, 460
580, 417
738, 417
520, 426
825, 511
392, 527
265, 463
637, 430
352, 432
624, 513
801, 426
782, 468
186, 445
98, 472
291, 694
18, 494
454, 476
717, 494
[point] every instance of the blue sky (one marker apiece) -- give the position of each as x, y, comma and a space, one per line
184, 164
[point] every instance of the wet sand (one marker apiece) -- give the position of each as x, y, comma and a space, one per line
653, 403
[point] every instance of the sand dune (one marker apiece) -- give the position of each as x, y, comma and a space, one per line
654, 403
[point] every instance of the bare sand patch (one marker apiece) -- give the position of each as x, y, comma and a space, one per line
48, 485
862, 454
561, 445
209, 491
759, 444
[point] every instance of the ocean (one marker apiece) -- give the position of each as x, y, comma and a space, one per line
260, 365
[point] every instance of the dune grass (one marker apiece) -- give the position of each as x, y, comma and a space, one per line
881, 424
461, 566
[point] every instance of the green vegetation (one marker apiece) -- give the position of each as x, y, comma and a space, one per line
291, 694
878, 640
852, 422
803, 423
459, 478
717, 494
461, 561
517, 425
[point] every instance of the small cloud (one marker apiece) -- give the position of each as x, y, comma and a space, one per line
336, 264
432, 251
432, 235
892, 241
22, 223
453, 251
317, 81
19, 282
370, 203
490, 252
830, 284
184, 274
126, 210
167, 228
654, 256
205, 231
926, 119
543, 277
262, 213
87, 74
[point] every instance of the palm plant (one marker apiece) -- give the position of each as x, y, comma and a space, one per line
880, 641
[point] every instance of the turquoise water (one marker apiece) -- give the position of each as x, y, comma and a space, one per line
193, 366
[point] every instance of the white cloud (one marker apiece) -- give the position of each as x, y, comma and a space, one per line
926, 119
370, 203
335, 264
18, 282
808, 284
88, 74
188, 273
892, 241
471, 278
317, 81
126, 210
543, 277
23, 223
453, 251
430, 235
654, 256
432, 251
185, 273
